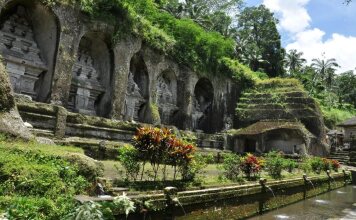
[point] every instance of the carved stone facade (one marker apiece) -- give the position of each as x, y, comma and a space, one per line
57, 55
133, 100
166, 97
21, 53
86, 88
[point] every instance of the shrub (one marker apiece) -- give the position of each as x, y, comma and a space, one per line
87, 211
274, 164
129, 159
335, 165
326, 164
250, 165
196, 167
316, 164
160, 146
231, 166
123, 204
290, 165
34, 185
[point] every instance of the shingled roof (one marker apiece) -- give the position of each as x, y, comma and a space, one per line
349, 122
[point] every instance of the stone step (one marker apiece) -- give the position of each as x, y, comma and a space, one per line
341, 153
42, 133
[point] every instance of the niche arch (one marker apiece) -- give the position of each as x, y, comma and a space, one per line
29, 35
202, 105
166, 96
92, 76
137, 93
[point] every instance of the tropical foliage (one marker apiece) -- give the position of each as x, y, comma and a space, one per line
251, 165
160, 147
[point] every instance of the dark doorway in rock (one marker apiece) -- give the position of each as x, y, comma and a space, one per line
250, 146
203, 106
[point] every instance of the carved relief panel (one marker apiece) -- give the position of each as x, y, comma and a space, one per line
133, 101
85, 88
21, 53
166, 90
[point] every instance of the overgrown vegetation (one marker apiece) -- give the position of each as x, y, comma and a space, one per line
37, 182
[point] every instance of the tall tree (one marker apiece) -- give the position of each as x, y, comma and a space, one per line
213, 15
294, 61
258, 28
325, 70
346, 84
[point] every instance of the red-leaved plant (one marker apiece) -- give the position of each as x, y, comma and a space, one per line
160, 146
251, 164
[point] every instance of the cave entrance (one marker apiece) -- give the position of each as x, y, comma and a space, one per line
202, 106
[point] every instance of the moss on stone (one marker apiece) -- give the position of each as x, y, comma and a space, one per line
7, 101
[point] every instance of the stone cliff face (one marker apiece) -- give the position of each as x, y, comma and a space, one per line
58, 55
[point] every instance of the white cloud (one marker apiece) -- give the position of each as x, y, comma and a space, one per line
293, 15
340, 47
294, 19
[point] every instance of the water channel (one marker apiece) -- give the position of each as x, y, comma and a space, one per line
337, 204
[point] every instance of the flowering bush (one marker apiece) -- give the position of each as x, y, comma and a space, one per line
251, 164
161, 146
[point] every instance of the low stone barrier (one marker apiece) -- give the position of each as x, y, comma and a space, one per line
244, 200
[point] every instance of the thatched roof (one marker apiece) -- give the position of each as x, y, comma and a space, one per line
265, 126
349, 122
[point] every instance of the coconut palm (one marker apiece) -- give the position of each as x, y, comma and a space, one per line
294, 61
325, 70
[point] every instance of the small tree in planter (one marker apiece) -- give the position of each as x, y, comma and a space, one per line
250, 165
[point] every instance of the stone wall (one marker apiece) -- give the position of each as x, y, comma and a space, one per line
73, 63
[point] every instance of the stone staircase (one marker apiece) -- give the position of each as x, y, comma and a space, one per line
342, 156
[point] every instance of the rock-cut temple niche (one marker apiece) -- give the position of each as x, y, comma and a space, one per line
137, 95
21, 53
166, 95
86, 89
202, 104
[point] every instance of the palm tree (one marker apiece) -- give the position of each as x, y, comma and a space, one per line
294, 61
325, 70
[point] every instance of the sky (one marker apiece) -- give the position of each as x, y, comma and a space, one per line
318, 28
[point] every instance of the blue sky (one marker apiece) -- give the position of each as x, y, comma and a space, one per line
317, 27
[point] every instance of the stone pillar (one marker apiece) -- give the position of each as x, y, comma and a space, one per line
123, 52
61, 122
70, 36
62, 78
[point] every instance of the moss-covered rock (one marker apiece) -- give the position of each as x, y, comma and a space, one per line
88, 167
7, 101
10, 120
